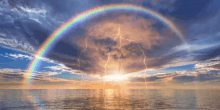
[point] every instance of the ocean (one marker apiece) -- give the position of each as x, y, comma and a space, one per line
132, 99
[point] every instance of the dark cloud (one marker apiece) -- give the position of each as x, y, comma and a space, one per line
36, 20
33, 30
180, 77
216, 66
108, 42
13, 3
185, 78
199, 77
134, 50
208, 54
11, 75
30, 22
87, 48
147, 79
102, 38
211, 64
159, 62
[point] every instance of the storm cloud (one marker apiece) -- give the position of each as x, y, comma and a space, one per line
125, 42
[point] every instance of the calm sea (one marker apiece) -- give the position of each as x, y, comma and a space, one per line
109, 99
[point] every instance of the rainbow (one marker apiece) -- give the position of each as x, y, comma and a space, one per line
35, 101
73, 22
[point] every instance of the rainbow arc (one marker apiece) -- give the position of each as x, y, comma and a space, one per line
86, 15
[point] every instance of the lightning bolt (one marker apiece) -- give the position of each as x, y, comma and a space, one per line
106, 64
121, 39
143, 54
80, 56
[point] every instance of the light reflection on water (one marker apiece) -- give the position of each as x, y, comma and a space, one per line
110, 99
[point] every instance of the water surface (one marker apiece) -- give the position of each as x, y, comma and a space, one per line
109, 99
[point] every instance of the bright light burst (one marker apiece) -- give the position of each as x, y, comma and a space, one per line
116, 77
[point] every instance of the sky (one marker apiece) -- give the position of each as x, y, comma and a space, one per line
117, 50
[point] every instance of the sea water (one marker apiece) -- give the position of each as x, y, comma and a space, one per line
139, 99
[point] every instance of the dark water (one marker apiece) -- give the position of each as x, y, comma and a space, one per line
110, 99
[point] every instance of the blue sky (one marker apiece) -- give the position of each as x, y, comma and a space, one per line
25, 25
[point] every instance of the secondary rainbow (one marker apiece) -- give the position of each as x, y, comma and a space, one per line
73, 22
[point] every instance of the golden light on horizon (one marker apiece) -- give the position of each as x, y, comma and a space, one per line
116, 77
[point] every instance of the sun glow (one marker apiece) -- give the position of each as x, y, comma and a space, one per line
115, 77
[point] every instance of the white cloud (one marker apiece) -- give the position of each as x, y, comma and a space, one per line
48, 73
13, 43
39, 11
37, 20
1, 34
192, 47
161, 73
58, 68
45, 59
20, 56
19, 71
17, 56
212, 64
9, 70
62, 68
